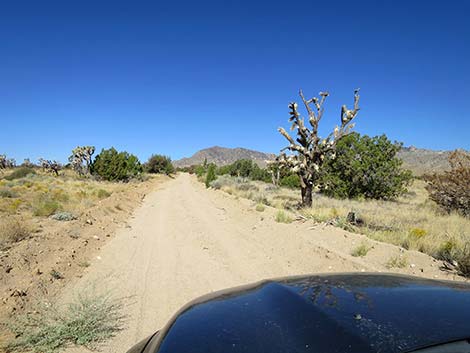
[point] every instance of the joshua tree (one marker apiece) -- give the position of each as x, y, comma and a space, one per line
6, 162
308, 150
81, 159
50, 166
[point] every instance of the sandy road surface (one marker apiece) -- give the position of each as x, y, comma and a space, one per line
186, 241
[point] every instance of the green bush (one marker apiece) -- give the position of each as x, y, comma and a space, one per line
20, 173
87, 321
159, 164
199, 170
451, 190
365, 167
210, 176
290, 181
116, 166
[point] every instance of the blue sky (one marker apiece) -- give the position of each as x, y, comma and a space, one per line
173, 77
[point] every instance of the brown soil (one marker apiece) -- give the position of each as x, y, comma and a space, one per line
59, 252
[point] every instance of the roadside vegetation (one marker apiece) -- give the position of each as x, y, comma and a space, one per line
357, 183
36, 202
369, 194
89, 320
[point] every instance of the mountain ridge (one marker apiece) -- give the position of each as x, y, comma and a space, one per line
419, 160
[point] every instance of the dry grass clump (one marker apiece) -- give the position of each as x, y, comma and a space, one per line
360, 251
260, 207
88, 321
283, 217
398, 261
12, 230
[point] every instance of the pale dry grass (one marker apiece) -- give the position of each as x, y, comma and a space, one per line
43, 195
412, 222
12, 230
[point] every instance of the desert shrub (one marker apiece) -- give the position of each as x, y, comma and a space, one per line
199, 170
451, 189
116, 166
245, 168
210, 176
44, 207
290, 181
87, 321
102, 194
12, 230
7, 193
260, 207
365, 167
397, 262
64, 216
159, 164
418, 233
282, 217
20, 173
456, 254
360, 251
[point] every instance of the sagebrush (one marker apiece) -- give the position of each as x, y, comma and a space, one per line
451, 190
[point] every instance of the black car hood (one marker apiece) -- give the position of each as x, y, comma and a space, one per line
335, 313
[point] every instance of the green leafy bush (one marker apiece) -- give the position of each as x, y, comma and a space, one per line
451, 190
20, 173
290, 181
116, 166
365, 167
159, 164
210, 176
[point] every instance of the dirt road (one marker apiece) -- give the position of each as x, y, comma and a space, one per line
186, 241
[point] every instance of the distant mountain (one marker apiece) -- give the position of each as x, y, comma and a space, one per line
223, 156
419, 161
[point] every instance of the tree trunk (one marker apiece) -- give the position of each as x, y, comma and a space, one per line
307, 195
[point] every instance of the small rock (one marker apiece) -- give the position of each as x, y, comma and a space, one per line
38, 271
96, 237
412, 265
358, 317
88, 221
8, 269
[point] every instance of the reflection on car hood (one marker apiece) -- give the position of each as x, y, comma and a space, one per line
335, 313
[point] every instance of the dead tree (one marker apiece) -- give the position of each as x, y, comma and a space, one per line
80, 159
309, 151
50, 166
